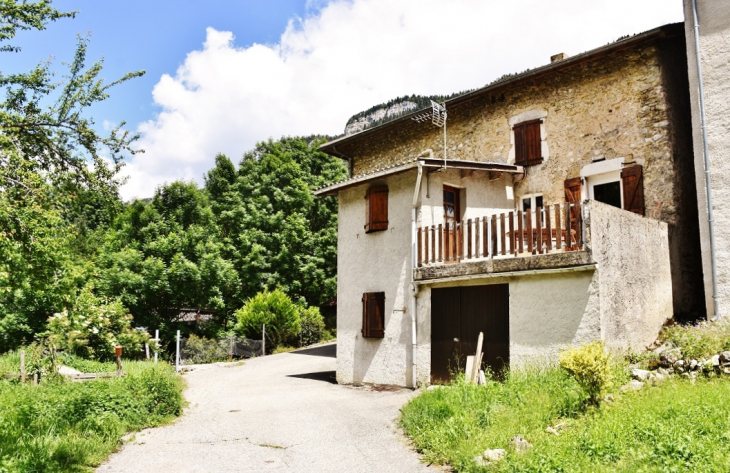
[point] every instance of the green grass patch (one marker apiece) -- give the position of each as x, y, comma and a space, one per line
677, 426
699, 341
61, 426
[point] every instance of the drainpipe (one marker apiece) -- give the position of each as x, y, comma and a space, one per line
414, 288
707, 161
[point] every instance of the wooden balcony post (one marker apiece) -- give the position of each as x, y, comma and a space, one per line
476, 237
538, 224
530, 236
559, 239
568, 235
502, 233
433, 244
512, 233
419, 246
520, 237
425, 245
441, 244
468, 237
485, 236
578, 225
549, 229
494, 235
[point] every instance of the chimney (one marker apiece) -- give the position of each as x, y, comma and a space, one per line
558, 57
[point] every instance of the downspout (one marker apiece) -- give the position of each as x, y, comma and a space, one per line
414, 288
707, 161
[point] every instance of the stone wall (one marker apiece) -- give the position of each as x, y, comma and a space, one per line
622, 105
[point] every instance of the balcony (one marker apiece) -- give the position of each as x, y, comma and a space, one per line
545, 238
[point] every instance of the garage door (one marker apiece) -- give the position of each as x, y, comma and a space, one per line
458, 314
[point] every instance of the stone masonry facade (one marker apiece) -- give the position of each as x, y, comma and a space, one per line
630, 103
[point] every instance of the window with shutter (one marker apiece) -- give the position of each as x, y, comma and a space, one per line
633, 186
373, 315
528, 143
376, 209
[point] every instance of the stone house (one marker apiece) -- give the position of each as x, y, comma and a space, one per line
562, 209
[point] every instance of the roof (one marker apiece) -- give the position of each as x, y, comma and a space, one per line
623, 43
333, 189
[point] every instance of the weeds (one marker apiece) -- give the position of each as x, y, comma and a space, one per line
699, 341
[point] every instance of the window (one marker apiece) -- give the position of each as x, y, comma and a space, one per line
376, 209
373, 315
528, 143
606, 188
531, 203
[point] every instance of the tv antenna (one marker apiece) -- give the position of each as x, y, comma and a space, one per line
437, 115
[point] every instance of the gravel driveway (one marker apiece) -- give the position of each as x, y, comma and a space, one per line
276, 413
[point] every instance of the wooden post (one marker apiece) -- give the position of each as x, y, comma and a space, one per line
177, 352
157, 342
146, 351
528, 217
420, 244
35, 379
118, 353
502, 233
548, 229
538, 225
22, 366
263, 340
520, 246
512, 245
558, 232
476, 237
494, 235
230, 349
433, 244
468, 238
441, 243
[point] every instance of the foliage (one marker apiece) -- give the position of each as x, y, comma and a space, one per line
282, 349
312, 326
677, 426
93, 327
62, 426
277, 311
699, 341
273, 230
199, 350
591, 366
58, 178
456, 422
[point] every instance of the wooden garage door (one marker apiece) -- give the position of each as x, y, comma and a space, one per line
458, 314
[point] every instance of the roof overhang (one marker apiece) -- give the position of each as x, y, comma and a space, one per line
432, 164
624, 43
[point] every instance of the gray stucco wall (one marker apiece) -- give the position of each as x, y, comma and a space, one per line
714, 20
374, 262
624, 298
635, 279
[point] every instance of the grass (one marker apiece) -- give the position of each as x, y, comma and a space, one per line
60, 426
699, 341
675, 427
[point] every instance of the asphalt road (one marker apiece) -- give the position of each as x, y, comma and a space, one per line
279, 413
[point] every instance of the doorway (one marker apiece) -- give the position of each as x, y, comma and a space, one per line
452, 216
458, 314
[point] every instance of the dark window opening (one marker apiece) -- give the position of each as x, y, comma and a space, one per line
609, 193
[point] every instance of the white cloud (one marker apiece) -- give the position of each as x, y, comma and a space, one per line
349, 55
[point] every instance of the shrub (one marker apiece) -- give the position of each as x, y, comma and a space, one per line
312, 326
591, 367
204, 350
277, 311
93, 327
699, 341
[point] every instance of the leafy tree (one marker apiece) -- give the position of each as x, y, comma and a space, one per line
166, 255
277, 311
274, 231
58, 177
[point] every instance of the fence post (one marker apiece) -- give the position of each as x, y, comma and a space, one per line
118, 353
157, 342
230, 349
22, 366
177, 352
146, 351
263, 340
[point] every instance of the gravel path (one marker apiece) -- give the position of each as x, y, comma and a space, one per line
280, 413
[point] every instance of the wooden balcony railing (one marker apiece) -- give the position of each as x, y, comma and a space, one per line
552, 229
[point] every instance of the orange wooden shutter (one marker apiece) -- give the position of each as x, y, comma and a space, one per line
376, 209
528, 144
373, 315
633, 182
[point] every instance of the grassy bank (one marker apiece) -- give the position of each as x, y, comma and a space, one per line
60, 426
677, 426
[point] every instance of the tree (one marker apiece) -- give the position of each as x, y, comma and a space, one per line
57, 176
275, 233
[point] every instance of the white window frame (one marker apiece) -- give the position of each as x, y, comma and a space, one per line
605, 178
532, 198
602, 172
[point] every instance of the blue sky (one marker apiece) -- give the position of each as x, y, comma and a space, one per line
224, 74
151, 35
